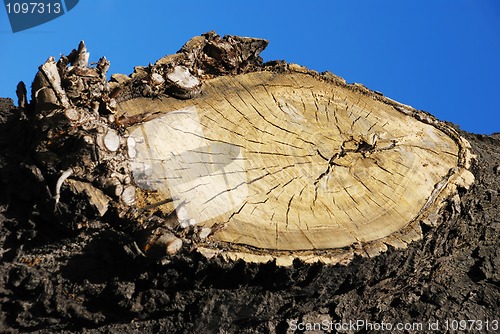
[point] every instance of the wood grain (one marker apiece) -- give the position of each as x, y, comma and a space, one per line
290, 162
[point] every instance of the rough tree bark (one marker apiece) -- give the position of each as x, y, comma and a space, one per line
207, 192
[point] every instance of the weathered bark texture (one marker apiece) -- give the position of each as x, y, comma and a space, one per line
190, 196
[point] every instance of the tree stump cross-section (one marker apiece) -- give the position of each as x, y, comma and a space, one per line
295, 165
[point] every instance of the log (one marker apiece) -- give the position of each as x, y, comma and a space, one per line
296, 165
245, 160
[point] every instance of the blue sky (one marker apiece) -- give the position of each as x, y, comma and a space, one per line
440, 56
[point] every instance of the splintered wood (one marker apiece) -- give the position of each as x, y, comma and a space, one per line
295, 165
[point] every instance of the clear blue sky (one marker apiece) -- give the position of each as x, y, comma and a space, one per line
442, 56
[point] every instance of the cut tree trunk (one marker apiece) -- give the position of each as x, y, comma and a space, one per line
296, 165
260, 163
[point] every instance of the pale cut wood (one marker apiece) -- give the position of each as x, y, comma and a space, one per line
292, 165
111, 140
